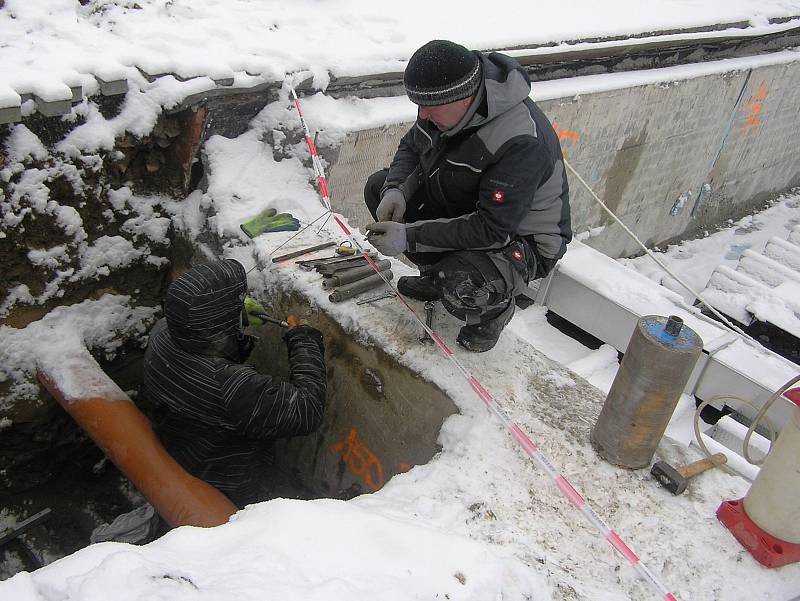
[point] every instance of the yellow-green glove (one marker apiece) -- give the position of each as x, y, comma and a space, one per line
268, 221
251, 309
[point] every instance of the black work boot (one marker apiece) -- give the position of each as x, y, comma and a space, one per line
482, 337
420, 287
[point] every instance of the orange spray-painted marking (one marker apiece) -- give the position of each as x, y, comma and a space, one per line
565, 134
360, 460
753, 107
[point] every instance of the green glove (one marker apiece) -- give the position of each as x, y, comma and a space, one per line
251, 308
268, 221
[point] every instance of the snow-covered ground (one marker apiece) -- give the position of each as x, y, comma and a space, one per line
479, 521
51, 45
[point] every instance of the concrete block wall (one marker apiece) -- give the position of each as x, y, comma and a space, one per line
670, 159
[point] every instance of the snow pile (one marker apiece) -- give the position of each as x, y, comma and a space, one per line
100, 325
252, 42
304, 551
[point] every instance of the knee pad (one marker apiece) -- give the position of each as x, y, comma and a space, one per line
472, 288
461, 295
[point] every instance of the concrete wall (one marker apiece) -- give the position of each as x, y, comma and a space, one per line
670, 159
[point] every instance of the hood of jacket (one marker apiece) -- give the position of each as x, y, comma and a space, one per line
203, 308
505, 85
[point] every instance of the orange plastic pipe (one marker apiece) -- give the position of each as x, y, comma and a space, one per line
125, 435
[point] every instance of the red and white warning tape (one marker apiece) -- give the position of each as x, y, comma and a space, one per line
525, 442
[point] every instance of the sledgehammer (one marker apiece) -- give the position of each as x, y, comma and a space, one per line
676, 479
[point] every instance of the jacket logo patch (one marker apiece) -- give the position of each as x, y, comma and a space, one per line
498, 197
517, 255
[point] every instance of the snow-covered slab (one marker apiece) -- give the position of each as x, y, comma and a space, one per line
766, 270
781, 307
53, 108
112, 87
763, 287
44, 41
10, 114
732, 291
633, 291
10, 103
784, 252
794, 235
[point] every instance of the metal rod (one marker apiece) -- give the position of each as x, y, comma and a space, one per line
429, 308
14, 531
268, 319
372, 299
302, 251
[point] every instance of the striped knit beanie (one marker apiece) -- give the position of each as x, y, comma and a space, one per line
441, 72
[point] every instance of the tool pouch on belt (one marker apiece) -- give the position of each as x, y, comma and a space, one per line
516, 263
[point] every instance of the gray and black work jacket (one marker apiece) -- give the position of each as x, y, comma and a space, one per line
496, 176
215, 415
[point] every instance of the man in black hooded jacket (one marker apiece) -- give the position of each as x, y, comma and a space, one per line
476, 195
217, 416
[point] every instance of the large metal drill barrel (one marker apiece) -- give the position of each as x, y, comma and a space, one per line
657, 364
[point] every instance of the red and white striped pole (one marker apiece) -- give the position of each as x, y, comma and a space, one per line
312, 148
519, 435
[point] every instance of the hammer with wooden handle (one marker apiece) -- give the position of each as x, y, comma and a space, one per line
675, 479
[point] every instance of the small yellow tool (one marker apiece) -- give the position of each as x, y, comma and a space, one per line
345, 249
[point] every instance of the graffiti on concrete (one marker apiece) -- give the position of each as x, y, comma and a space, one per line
565, 134
752, 108
360, 460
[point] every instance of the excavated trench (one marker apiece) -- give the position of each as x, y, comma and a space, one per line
380, 419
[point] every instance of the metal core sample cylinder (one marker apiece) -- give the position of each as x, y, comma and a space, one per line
771, 501
353, 275
657, 364
350, 290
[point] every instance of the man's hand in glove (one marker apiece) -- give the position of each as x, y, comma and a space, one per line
392, 206
388, 237
251, 309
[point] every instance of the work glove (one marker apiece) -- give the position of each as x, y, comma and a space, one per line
251, 308
301, 331
269, 220
388, 237
392, 206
